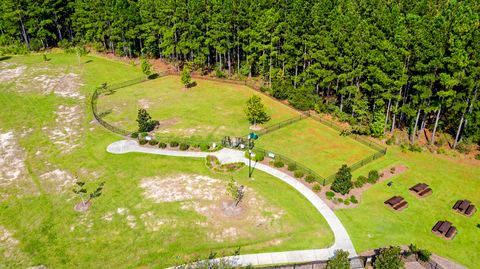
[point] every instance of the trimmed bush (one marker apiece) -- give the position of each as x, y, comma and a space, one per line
340, 200
143, 134
477, 157
292, 167
316, 187
415, 148
278, 164
162, 145
309, 178
298, 174
174, 144
184, 146
134, 135
259, 156
373, 176
353, 199
330, 195
142, 141
153, 142
361, 180
346, 202
204, 147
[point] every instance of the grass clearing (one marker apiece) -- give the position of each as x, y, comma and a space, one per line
373, 225
315, 145
124, 228
209, 111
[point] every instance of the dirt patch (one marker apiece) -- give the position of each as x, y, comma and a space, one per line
57, 180
207, 196
12, 162
144, 103
123, 213
63, 85
9, 72
256, 127
8, 244
14, 177
67, 131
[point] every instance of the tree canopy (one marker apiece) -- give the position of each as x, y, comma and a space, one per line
413, 65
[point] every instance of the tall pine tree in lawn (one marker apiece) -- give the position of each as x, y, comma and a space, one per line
145, 122
255, 111
343, 180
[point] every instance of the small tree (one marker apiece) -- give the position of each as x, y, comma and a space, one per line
256, 111
343, 180
145, 122
81, 190
80, 50
339, 261
146, 66
420, 254
389, 258
186, 76
235, 191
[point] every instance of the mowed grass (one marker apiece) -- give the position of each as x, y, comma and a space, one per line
315, 145
209, 111
42, 220
373, 225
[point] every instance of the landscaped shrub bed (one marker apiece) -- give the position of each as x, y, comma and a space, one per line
214, 164
162, 145
309, 178
174, 144
184, 146
298, 174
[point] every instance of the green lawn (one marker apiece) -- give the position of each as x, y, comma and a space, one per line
38, 213
208, 111
373, 225
315, 145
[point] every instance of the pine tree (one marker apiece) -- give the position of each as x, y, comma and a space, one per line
343, 180
255, 111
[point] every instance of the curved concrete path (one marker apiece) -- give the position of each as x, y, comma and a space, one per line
342, 240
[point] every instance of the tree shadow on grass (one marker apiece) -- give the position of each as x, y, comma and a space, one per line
4, 58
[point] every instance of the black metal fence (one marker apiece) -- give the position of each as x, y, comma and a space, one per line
281, 124
287, 161
108, 89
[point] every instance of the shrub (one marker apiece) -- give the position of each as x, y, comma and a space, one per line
142, 141
477, 157
298, 174
219, 73
247, 154
415, 148
373, 176
259, 156
346, 202
353, 199
143, 134
340, 200
389, 258
330, 195
153, 142
184, 146
134, 135
162, 145
443, 151
343, 180
316, 187
292, 167
392, 170
339, 260
204, 147
361, 180
309, 178
390, 141
174, 144
278, 164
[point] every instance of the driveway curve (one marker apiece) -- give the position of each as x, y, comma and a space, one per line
342, 239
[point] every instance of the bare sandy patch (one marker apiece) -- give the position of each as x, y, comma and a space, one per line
57, 180
63, 85
12, 162
207, 196
10, 73
67, 131
144, 103
10, 253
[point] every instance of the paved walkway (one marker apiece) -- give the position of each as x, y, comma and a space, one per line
342, 240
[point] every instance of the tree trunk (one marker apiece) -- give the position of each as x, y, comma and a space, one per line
341, 102
24, 33
386, 115
432, 140
229, 65
415, 127
459, 130
296, 74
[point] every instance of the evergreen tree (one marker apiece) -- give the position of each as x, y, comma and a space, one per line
339, 261
255, 111
145, 122
343, 180
389, 258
